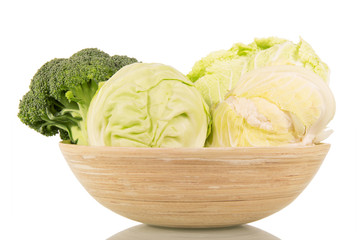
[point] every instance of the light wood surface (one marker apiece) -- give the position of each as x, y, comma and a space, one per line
186, 187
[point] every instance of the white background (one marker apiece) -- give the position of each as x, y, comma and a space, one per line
40, 197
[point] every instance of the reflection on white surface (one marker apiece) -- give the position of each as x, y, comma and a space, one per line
146, 232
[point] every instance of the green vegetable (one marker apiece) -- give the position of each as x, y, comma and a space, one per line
148, 105
61, 91
216, 74
272, 106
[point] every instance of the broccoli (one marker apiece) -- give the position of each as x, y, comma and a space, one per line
62, 89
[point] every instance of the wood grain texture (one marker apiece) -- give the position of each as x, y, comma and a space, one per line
188, 187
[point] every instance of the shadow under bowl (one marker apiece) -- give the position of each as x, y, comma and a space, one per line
194, 187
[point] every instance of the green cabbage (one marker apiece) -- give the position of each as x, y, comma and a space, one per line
273, 106
215, 75
148, 105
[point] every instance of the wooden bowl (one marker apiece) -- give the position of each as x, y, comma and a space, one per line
194, 188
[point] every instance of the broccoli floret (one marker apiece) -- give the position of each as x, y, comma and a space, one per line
121, 61
62, 89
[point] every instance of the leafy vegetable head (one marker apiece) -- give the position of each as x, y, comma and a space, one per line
61, 91
148, 105
216, 74
272, 106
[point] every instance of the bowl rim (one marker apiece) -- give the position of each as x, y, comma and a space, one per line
292, 149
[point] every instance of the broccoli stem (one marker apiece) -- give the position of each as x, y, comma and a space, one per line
81, 96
